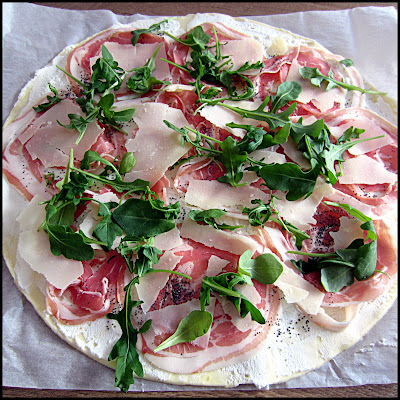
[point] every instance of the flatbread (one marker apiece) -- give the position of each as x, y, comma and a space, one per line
307, 351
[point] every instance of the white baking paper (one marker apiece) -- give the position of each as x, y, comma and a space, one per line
33, 356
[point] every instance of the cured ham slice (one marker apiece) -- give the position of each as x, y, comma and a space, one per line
118, 42
98, 291
45, 144
230, 337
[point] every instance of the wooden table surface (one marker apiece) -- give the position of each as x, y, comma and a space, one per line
234, 9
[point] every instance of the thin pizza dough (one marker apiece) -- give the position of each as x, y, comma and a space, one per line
245, 94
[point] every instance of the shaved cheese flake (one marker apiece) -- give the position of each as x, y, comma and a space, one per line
178, 87
349, 230
50, 142
214, 194
364, 169
323, 100
33, 246
242, 51
297, 290
220, 116
216, 265
219, 239
33, 214
300, 212
149, 285
155, 146
371, 130
168, 240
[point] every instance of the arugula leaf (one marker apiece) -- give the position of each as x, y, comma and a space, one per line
316, 78
289, 177
194, 325
106, 73
51, 100
208, 216
258, 215
339, 269
265, 268
155, 27
232, 161
320, 150
138, 218
223, 284
107, 230
124, 349
127, 163
347, 62
63, 240
335, 277
147, 256
287, 91
196, 39
142, 81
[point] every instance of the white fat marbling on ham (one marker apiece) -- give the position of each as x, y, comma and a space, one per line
214, 194
34, 248
48, 141
222, 240
366, 170
220, 116
323, 100
168, 240
297, 290
349, 230
216, 265
300, 212
155, 146
149, 286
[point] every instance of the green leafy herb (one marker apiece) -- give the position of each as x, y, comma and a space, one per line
51, 100
340, 268
347, 62
208, 216
194, 325
127, 163
324, 154
289, 177
153, 28
316, 78
64, 241
262, 213
138, 218
223, 284
142, 81
107, 230
207, 67
124, 349
265, 268
106, 76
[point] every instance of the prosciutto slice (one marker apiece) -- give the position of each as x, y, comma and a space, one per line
230, 338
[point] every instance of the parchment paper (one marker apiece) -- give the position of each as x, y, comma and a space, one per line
33, 356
